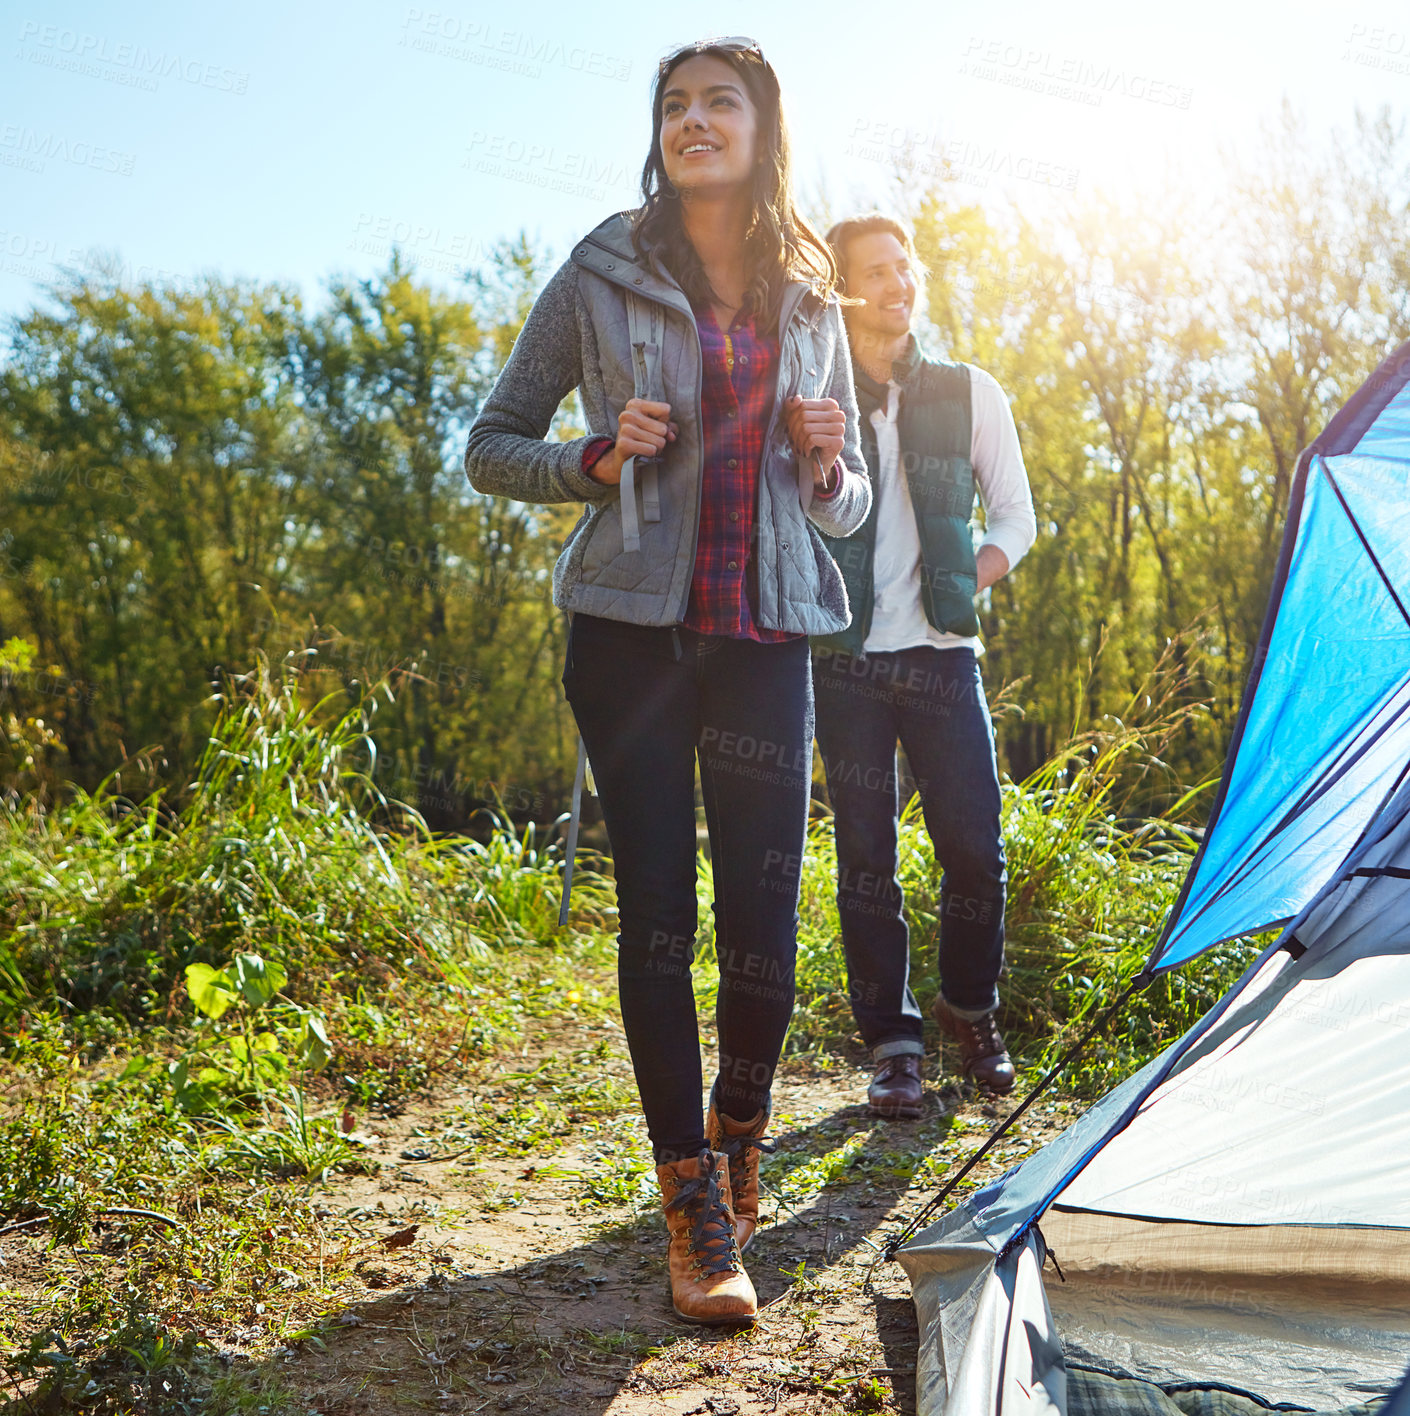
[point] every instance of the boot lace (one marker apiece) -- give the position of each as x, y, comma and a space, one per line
736, 1149
712, 1229
982, 1038
904, 1062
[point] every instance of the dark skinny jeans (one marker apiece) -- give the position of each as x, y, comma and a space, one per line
648, 702
932, 700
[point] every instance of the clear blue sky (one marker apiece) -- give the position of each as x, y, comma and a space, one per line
292, 142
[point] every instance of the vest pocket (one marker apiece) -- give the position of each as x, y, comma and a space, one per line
604, 542
607, 564
940, 486
949, 577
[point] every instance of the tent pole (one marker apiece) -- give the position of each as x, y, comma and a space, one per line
892, 1246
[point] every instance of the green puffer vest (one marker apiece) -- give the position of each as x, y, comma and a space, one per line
934, 425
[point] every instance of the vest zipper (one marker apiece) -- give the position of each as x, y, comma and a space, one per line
786, 318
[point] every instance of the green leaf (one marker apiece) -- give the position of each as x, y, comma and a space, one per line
315, 1049
209, 989
259, 980
270, 1068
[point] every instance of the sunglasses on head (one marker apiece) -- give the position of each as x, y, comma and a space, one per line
734, 44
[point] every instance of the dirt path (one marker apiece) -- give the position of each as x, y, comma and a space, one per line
535, 1282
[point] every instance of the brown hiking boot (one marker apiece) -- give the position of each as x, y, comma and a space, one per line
895, 1089
983, 1056
708, 1282
740, 1142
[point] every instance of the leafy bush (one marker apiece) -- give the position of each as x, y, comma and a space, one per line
284, 848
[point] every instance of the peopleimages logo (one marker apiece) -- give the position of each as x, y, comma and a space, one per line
38, 257
515, 51
928, 151
80, 52
543, 165
1064, 76
23, 147
1375, 47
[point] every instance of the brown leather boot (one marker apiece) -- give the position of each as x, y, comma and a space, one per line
895, 1090
982, 1053
740, 1142
708, 1282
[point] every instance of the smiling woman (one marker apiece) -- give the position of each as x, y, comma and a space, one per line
705, 338
719, 120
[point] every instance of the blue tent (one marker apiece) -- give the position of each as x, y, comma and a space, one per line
1399, 1404
1236, 1215
1324, 733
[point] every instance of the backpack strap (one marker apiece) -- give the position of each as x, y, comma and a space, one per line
813, 380
570, 850
644, 326
644, 321
812, 383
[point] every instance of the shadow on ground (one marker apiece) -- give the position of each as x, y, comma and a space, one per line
588, 1329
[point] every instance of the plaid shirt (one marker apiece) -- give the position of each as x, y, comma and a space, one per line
739, 385
738, 388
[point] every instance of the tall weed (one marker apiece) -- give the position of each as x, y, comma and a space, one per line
283, 847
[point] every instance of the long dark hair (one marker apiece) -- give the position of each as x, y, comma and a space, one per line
780, 245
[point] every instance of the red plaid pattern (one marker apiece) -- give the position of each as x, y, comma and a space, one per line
737, 396
740, 378
593, 450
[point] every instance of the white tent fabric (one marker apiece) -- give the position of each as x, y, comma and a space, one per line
1319, 1086
1240, 1209
973, 1308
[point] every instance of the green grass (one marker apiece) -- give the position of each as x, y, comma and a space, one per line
283, 847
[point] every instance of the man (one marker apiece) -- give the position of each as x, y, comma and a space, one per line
907, 669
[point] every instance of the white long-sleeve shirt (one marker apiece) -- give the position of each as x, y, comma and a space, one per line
898, 617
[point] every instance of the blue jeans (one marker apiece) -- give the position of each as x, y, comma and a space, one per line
649, 702
932, 700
